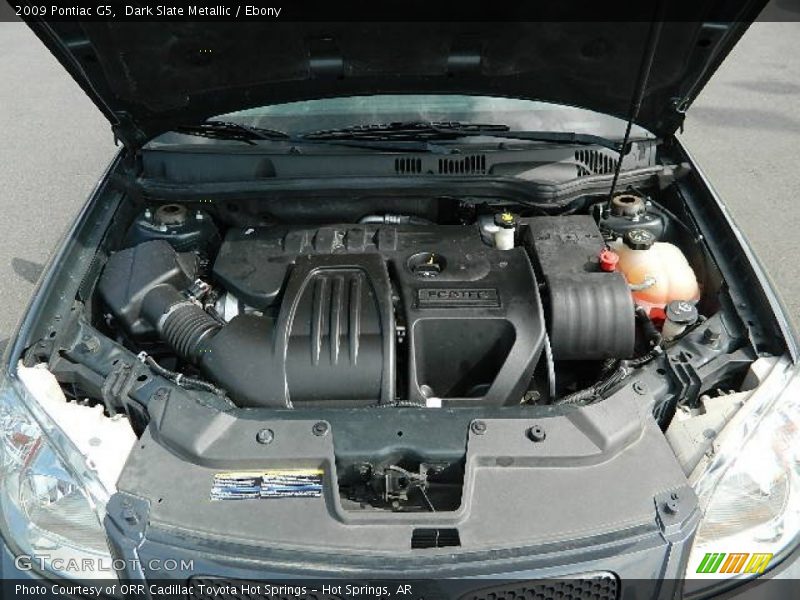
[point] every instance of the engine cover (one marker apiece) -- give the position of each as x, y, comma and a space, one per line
377, 313
332, 339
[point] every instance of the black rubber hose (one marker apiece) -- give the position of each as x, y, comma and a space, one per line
649, 330
192, 332
181, 323
186, 327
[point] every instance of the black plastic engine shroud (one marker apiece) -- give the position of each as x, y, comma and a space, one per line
360, 315
464, 319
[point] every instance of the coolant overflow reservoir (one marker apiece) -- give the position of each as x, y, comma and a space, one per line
657, 272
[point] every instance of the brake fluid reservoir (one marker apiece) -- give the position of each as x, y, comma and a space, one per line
506, 224
657, 272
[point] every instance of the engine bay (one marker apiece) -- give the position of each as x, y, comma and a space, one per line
394, 310
430, 319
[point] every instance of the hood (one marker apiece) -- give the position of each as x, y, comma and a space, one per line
148, 78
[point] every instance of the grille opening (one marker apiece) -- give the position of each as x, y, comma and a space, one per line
467, 165
601, 586
435, 538
407, 165
594, 162
589, 586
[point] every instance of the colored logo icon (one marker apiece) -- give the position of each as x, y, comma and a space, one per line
734, 562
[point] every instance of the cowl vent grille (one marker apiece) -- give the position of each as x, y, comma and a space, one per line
594, 162
408, 165
467, 165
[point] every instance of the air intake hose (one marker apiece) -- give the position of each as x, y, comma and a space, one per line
266, 360
143, 288
238, 355
184, 325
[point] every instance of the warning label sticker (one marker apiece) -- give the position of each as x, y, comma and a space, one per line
281, 483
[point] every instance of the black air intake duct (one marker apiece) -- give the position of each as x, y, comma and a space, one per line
330, 328
181, 323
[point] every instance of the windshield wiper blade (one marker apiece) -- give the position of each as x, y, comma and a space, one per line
225, 130
453, 130
411, 136
222, 130
412, 131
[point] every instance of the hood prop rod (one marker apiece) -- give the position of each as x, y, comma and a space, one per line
646, 65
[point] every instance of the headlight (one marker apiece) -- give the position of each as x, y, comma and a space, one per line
749, 489
51, 501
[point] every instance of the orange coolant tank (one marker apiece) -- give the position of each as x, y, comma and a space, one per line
657, 272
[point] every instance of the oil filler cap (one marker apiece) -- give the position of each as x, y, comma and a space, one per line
639, 239
426, 264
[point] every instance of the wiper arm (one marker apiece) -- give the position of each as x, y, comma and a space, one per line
453, 130
225, 130
566, 137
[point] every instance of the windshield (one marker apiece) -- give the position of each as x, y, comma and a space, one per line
524, 115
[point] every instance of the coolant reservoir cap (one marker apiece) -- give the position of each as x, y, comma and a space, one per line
682, 312
506, 220
639, 239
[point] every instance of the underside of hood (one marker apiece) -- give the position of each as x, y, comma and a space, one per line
151, 77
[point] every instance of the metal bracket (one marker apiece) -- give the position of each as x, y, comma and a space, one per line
129, 514
126, 132
685, 373
117, 385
